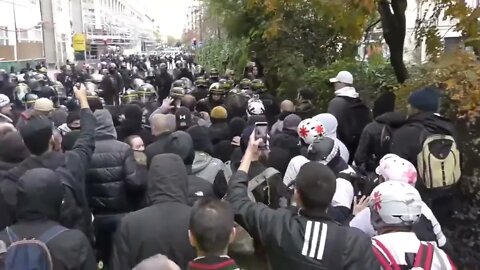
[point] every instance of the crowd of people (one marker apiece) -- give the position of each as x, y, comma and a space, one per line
136, 166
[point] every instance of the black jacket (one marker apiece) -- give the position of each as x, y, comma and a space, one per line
74, 163
112, 172
294, 241
305, 109
219, 131
198, 188
163, 82
408, 140
40, 194
370, 149
163, 226
157, 147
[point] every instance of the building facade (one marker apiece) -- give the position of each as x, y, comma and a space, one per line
118, 25
21, 36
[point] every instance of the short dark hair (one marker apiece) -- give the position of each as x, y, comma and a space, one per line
316, 184
36, 131
306, 93
211, 223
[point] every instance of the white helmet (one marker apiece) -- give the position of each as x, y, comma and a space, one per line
309, 130
394, 203
395, 168
255, 107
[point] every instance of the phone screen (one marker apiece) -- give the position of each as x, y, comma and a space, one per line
261, 132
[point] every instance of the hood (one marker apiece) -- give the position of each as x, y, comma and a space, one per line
133, 119
105, 127
201, 139
4, 118
59, 117
433, 122
329, 122
347, 91
394, 119
167, 180
282, 115
13, 149
200, 162
40, 194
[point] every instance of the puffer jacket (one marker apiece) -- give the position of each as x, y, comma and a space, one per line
206, 166
112, 172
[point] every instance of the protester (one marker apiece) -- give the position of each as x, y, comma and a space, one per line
163, 226
12, 151
330, 125
349, 110
394, 168
286, 108
5, 109
136, 143
305, 108
395, 207
36, 132
157, 262
132, 125
111, 176
211, 231
40, 195
72, 123
291, 240
181, 143
204, 165
183, 118
161, 129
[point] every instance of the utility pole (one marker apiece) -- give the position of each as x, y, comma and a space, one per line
15, 31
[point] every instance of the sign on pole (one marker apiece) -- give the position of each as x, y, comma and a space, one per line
79, 46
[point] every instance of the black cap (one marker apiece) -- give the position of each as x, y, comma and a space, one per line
183, 118
36, 132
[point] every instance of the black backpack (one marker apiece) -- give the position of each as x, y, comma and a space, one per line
356, 117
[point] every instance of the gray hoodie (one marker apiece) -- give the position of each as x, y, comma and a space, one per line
205, 166
105, 127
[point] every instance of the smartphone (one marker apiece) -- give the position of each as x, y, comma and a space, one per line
261, 132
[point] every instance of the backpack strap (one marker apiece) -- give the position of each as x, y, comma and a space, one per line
12, 236
259, 179
227, 170
424, 257
51, 233
384, 256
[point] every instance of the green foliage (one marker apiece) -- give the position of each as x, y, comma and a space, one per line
223, 54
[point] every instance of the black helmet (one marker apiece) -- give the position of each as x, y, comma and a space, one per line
30, 99
146, 93
225, 85
177, 92
129, 96
323, 149
179, 83
258, 85
201, 82
214, 73
216, 89
245, 84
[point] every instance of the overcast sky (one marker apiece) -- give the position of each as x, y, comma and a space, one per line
171, 14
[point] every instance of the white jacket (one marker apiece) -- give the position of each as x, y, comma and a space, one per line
344, 190
401, 243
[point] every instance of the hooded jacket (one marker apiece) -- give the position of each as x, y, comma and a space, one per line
40, 194
157, 147
291, 239
330, 124
73, 165
370, 150
206, 166
161, 227
132, 125
112, 171
12, 152
408, 140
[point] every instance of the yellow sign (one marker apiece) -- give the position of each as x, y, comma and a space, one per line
79, 44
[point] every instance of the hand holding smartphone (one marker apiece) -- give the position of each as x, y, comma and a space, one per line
261, 132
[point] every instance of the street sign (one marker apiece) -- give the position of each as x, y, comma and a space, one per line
79, 43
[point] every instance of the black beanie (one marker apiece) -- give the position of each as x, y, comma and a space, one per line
384, 103
201, 139
181, 143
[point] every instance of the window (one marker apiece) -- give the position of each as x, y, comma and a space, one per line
22, 34
3, 36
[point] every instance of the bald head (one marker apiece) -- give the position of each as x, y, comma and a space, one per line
157, 262
189, 101
287, 106
160, 123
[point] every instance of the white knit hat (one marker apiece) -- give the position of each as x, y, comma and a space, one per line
395, 168
4, 100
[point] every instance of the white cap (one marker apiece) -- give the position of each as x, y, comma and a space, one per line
4, 100
43, 105
343, 77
